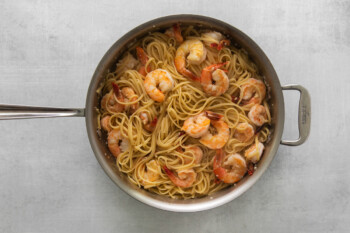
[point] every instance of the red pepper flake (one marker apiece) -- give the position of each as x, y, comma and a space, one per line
217, 181
251, 169
259, 129
222, 44
181, 133
214, 45
116, 89
235, 99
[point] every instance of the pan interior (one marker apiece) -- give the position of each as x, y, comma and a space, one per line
276, 102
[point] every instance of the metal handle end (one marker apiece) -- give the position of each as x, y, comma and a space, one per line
304, 115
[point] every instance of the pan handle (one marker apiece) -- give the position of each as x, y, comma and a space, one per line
10, 112
304, 116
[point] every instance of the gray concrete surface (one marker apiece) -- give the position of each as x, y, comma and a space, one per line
49, 178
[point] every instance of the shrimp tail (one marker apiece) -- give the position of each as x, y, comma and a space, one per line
190, 75
212, 68
143, 58
213, 116
177, 33
170, 174
141, 55
222, 44
218, 170
152, 125
214, 45
116, 89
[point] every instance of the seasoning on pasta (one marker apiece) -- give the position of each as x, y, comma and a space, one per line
184, 113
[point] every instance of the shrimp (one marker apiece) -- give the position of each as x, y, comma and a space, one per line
214, 80
230, 169
258, 115
128, 62
151, 125
175, 31
215, 40
253, 91
254, 152
130, 96
195, 152
152, 173
143, 58
148, 125
244, 132
185, 178
109, 101
105, 123
144, 118
218, 140
196, 126
116, 142
197, 54
158, 78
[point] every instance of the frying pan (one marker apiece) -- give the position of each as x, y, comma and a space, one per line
98, 144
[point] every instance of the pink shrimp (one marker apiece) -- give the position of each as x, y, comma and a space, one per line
253, 91
230, 169
196, 126
197, 54
218, 140
244, 132
175, 31
185, 178
143, 58
116, 142
105, 123
258, 115
157, 83
254, 152
214, 80
109, 100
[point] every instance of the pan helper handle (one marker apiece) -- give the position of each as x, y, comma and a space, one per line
304, 116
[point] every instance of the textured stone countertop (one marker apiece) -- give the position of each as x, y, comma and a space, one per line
50, 180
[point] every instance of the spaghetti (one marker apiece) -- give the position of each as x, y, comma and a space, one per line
147, 154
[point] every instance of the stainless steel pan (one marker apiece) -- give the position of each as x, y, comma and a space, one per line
99, 146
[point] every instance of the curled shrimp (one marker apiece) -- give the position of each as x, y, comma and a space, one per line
150, 127
130, 96
116, 142
197, 54
147, 124
144, 118
254, 152
215, 40
258, 115
109, 100
253, 91
214, 80
105, 123
143, 58
175, 31
185, 177
128, 62
244, 132
229, 169
222, 135
152, 173
196, 126
157, 83
194, 151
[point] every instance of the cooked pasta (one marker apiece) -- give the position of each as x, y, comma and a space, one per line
149, 105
